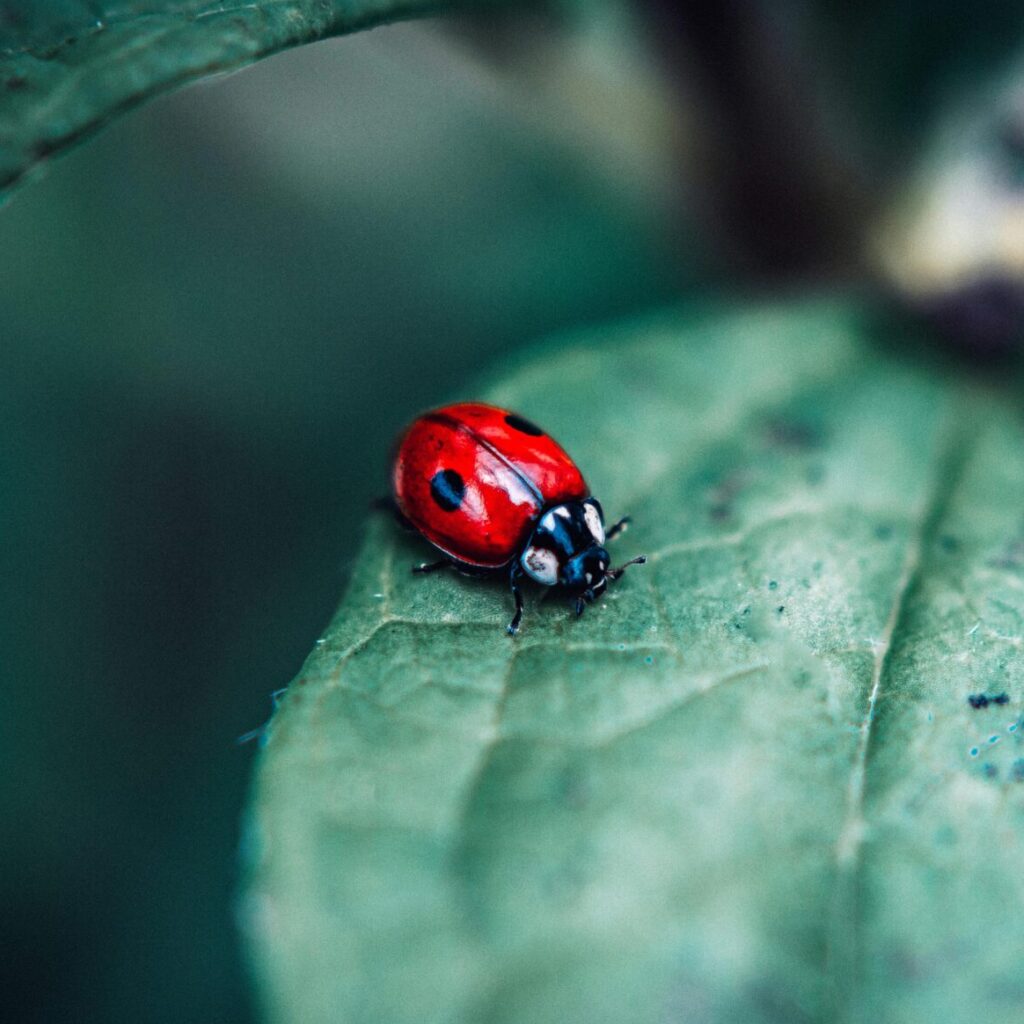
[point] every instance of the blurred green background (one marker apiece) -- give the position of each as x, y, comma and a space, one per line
215, 316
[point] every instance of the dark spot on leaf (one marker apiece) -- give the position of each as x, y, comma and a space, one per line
982, 700
15, 82
722, 494
575, 790
883, 531
773, 585
949, 544
1012, 556
523, 426
989, 770
781, 608
447, 489
1017, 771
797, 435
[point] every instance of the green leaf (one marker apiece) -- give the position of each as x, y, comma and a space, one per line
68, 66
748, 785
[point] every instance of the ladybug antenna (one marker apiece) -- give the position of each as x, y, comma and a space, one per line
614, 574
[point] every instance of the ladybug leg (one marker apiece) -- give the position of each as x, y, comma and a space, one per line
582, 601
513, 581
614, 574
619, 527
443, 563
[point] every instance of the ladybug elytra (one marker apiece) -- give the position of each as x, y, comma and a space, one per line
496, 495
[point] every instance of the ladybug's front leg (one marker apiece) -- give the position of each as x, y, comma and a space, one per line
619, 527
583, 600
513, 582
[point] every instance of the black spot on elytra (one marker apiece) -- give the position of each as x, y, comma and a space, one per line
447, 489
523, 426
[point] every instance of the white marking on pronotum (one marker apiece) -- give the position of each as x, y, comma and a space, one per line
562, 511
541, 564
593, 519
548, 522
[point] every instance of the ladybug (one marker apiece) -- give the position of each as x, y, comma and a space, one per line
496, 495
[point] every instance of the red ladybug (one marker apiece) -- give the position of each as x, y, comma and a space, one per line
495, 494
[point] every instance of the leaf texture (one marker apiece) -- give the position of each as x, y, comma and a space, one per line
748, 785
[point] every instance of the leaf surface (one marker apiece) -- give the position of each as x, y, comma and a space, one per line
68, 66
747, 786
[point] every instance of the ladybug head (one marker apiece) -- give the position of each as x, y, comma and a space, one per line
567, 550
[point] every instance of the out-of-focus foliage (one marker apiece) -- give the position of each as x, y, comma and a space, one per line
895, 67
213, 319
67, 66
748, 785
953, 244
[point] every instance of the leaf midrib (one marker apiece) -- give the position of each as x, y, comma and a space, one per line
845, 925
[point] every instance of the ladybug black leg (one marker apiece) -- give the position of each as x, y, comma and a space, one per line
513, 581
443, 563
614, 574
583, 600
617, 528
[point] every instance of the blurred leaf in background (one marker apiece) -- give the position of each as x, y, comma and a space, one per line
952, 244
68, 66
